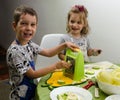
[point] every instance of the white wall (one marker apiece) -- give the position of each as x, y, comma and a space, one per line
103, 18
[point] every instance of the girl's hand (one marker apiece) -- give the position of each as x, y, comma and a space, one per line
96, 52
62, 64
72, 46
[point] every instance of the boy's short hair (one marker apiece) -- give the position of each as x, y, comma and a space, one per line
23, 10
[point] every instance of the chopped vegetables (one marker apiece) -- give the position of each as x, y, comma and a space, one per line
96, 67
111, 76
68, 96
59, 79
89, 72
61, 82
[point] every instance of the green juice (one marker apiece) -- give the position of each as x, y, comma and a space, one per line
76, 59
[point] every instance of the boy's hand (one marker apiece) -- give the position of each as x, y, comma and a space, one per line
72, 46
62, 64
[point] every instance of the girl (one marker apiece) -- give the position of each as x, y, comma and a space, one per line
21, 53
78, 29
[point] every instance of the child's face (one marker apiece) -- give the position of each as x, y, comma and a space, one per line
25, 28
75, 24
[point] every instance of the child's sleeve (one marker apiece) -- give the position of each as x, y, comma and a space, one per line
20, 61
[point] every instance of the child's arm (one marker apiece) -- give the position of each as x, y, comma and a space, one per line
53, 51
43, 71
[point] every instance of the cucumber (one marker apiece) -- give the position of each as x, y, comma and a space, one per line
89, 72
44, 85
96, 67
62, 96
50, 87
67, 96
61, 82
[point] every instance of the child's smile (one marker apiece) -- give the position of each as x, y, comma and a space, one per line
25, 28
27, 35
75, 24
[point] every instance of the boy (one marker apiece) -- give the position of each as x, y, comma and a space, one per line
21, 53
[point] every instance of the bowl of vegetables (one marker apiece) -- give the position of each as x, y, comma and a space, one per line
109, 81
